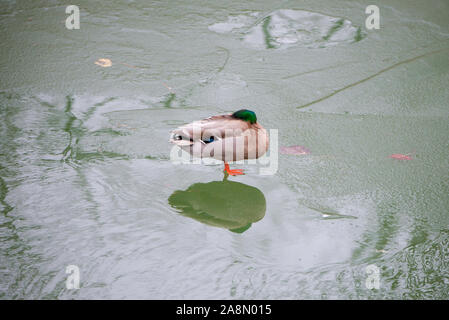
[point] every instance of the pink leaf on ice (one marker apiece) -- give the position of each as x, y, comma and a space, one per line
294, 150
399, 156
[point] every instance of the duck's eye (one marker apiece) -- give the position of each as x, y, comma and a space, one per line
178, 137
211, 139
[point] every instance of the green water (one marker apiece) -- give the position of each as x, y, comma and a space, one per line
85, 171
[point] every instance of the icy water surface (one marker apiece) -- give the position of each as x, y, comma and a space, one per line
86, 178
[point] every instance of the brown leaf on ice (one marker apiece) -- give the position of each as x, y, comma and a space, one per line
103, 62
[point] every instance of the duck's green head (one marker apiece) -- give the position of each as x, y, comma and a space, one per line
245, 115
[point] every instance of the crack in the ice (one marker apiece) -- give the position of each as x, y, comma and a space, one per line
371, 77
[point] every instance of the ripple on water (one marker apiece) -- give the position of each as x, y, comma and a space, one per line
286, 28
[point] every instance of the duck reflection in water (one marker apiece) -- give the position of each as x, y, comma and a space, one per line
225, 204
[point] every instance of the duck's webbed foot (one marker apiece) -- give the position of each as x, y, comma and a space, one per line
234, 172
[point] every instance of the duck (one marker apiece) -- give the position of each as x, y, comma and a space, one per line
229, 137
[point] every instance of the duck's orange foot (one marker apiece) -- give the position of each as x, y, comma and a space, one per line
234, 172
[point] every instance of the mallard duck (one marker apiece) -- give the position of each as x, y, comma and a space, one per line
230, 137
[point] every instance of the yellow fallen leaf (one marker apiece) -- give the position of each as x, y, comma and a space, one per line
103, 62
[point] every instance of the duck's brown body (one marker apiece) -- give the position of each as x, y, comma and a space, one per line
224, 137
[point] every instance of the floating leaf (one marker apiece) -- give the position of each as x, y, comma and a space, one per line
103, 62
294, 150
399, 156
